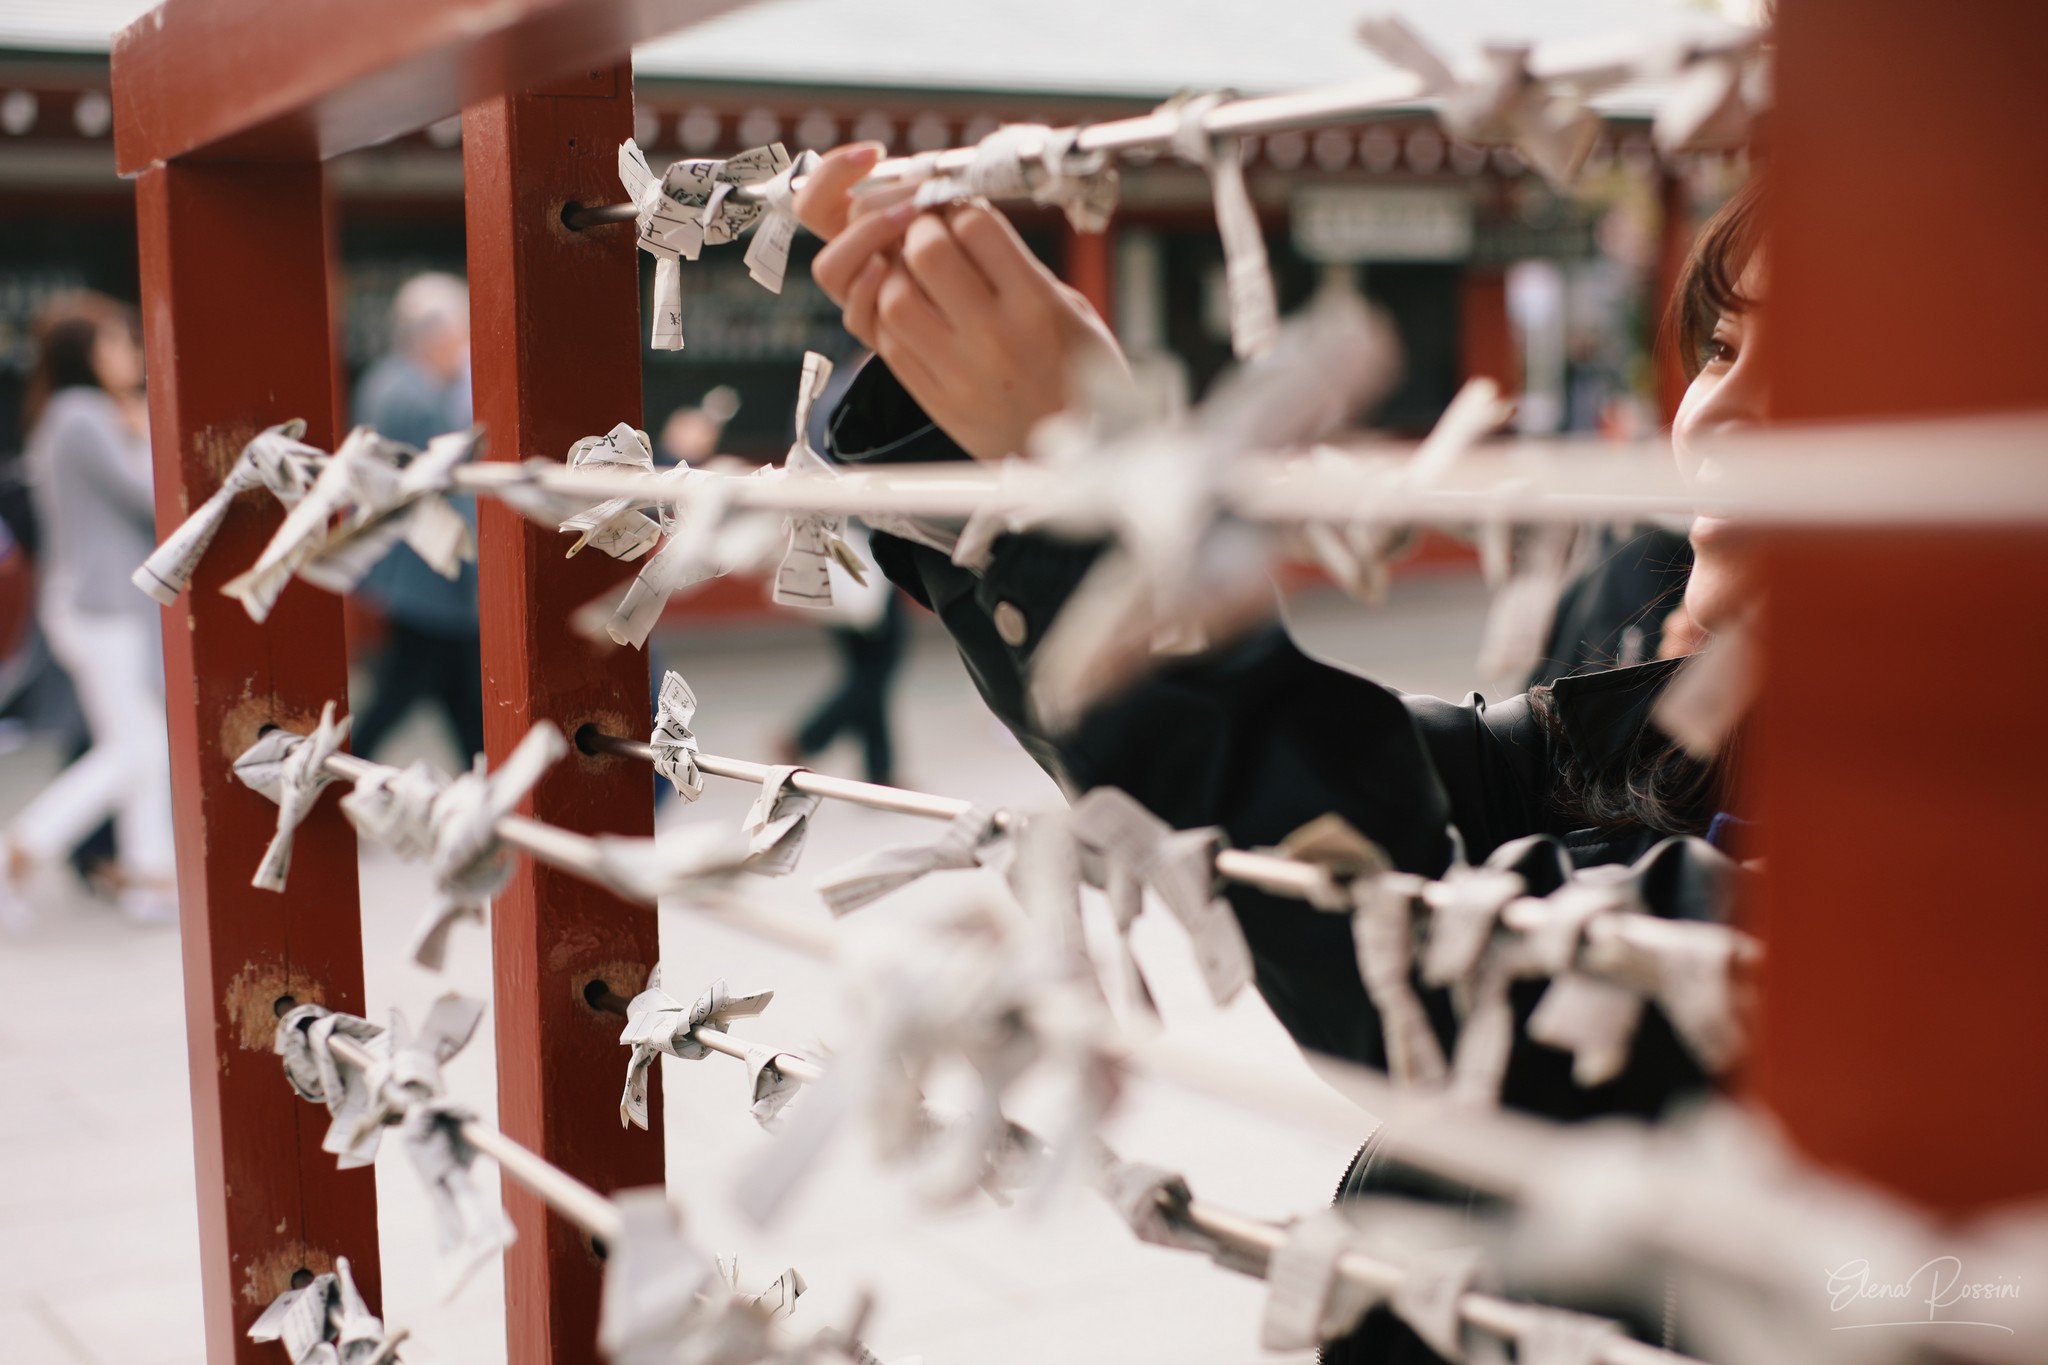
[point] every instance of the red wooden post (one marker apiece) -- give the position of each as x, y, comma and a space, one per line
235, 290
1486, 339
1089, 265
555, 328
1897, 766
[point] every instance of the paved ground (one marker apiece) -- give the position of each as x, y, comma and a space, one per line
98, 1249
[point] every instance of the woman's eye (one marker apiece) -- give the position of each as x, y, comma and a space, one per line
1718, 352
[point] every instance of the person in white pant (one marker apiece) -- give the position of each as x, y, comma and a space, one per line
89, 461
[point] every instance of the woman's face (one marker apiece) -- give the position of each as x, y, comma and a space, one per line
117, 360
1726, 396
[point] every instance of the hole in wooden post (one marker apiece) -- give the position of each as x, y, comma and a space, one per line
586, 736
599, 995
569, 212
301, 1278
283, 1005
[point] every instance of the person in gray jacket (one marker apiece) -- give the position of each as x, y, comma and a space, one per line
89, 460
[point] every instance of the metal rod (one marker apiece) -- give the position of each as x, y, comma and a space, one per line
791, 1064
580, 855
1586, 65
870, 794
1269, 871
559, 1190
1505, 1318
577, 217
1990, 474
554, 846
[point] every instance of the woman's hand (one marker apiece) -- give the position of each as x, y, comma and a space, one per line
983, 336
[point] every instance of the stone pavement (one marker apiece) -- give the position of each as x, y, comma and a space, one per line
98, 1243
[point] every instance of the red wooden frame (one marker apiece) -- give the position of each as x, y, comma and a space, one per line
224, 109
1898, 763
557, 357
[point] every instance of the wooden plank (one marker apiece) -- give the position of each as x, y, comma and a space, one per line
235, 307
1897, 765
555, 327
260, 80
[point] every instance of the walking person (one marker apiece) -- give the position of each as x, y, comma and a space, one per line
89, 461
430, 651
868, 633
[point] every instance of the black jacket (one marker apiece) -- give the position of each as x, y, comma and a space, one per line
1612, 612
1259, 738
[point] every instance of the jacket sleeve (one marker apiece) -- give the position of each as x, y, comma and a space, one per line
88, 441
1257, 737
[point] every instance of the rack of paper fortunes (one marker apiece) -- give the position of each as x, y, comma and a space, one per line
1710, 1227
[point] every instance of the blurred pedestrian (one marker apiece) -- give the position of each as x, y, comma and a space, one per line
430, 654
691, 434
868, 631
89, 461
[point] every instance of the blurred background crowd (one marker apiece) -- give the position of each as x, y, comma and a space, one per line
1483, 268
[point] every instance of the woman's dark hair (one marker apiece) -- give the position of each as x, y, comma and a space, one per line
1707, 284
66, 332
1654, 784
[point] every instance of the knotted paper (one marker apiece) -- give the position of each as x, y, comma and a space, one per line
657, 1022
675, 747
395, 807
1432, 1283
890, 868
654, 1277
277, 459
471, 864
1308, 1299
768, 254
290, 769
1383, 933
468, 1226
1031, 160
804, 579
616, 526
1181, 867
328, 1322
1248, 280
778, 823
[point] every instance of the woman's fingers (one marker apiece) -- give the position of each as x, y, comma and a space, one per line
842, 258
944, 272
997, 251
823, 204
860, 301
904, 313
879, 197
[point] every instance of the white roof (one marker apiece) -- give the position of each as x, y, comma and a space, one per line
1136, 48
1139, 48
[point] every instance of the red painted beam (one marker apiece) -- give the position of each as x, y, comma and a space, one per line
1897, 765
308, 79
235, 310
555, 330
1088, 265
1486, 337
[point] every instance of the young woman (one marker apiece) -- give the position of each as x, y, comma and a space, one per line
89, 459
975, 341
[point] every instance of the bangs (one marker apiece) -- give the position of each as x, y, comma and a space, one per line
1707, 285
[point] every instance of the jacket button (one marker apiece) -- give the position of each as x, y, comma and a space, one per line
1010, 624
